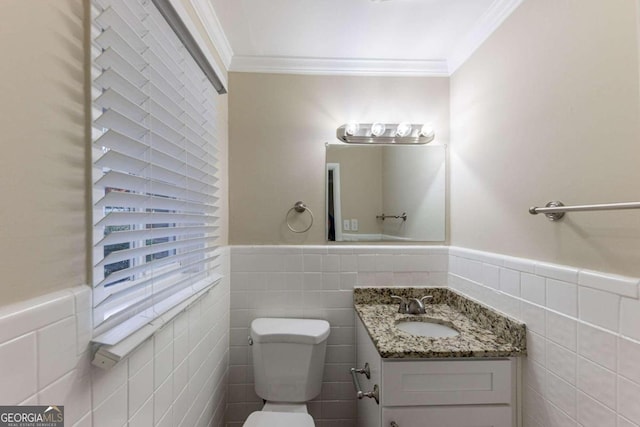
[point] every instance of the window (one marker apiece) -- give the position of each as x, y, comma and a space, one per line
154, 175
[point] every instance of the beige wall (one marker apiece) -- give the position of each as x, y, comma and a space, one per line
547, 109
44, 215
278, 127
42, 168
223, 165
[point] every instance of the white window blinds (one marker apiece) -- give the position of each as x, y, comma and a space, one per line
154, 170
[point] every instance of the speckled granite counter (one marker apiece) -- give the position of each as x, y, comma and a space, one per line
483, 331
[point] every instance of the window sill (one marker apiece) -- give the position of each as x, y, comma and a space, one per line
107, 356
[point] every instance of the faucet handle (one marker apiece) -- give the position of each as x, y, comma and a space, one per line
426, 297
403, 304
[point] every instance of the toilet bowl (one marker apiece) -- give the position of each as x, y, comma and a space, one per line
278, 419
288, 360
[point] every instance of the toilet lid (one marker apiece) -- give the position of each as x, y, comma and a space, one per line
279, 419
278, 330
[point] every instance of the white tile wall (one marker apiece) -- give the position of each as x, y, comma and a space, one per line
177, 378
583, 364
315, 282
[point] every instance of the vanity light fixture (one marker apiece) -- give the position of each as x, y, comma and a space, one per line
377, 129
351, 128
427, 131
404, 129
386, 133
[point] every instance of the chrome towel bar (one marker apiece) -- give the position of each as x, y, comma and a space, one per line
555, 210
375, 394
402, 217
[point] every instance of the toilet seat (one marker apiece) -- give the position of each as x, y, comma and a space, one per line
300, 408
278, 419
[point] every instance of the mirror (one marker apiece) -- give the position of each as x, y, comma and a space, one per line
385, 193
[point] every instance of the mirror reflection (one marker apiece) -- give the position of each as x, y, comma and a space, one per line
385, 193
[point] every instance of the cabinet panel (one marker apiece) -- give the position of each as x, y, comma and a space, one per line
435, 393
368, 409
438, 382
448, 416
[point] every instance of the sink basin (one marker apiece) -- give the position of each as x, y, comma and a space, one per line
427, 329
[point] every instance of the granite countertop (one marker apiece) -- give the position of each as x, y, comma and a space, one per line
483, 331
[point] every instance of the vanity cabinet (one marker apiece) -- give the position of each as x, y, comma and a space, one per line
455, 392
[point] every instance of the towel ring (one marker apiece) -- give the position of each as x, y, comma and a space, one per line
299, 207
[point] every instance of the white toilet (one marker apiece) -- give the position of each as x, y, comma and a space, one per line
288, 360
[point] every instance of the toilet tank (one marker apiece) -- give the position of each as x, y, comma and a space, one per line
288, 358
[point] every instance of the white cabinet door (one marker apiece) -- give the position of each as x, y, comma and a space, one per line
448, 416
481, 393
447, 382
368, 410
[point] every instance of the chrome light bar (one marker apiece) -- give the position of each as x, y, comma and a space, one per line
385, 133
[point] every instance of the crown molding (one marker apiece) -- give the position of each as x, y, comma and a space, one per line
338, 66
207, 15
486, 25
199, 39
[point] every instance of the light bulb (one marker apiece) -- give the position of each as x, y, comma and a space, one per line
377, 129
352, 128
403, 129
427, 130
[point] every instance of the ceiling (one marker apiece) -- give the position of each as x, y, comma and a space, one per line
395, 37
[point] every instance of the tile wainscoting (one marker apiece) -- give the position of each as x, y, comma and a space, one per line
315, 282
583, 367
176, 378
583, 339
579, 323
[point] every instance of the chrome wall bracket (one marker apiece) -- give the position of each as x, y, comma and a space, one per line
300, 207
551, 216
366, 371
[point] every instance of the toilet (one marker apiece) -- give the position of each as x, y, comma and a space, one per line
288, 360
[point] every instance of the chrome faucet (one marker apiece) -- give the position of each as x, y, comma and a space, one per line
411, 305
404, 304
416, 305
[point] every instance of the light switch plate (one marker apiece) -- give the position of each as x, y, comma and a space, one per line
354, 225
346, 226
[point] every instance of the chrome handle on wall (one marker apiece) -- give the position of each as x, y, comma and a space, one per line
375, 394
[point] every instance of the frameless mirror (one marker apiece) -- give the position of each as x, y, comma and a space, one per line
385, 193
